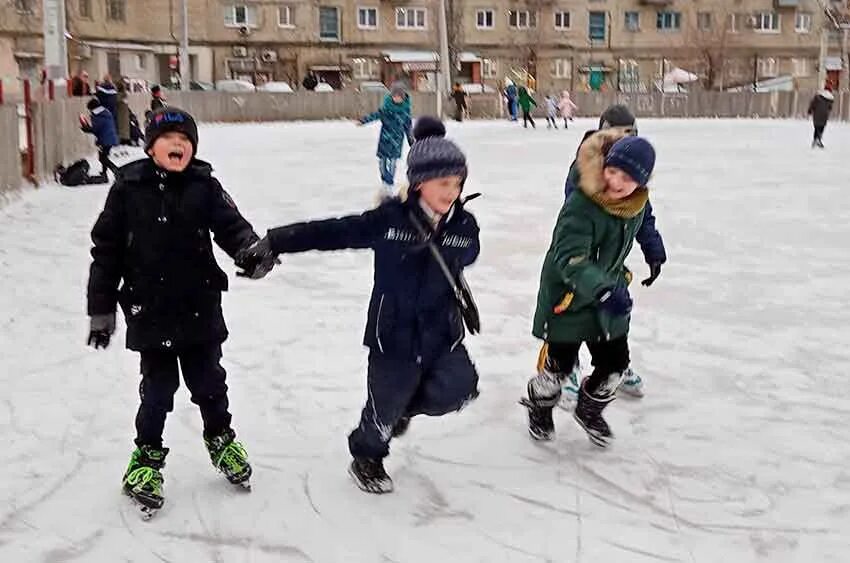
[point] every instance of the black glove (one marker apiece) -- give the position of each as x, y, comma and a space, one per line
256, 260
101, 328
654, 272
616, 302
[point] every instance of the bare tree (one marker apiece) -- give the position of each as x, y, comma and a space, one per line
707, 38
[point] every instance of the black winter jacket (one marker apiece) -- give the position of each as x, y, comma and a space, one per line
153, 237
819, 108
413, 314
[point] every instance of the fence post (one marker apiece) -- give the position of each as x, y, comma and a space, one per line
51, 90
30, 169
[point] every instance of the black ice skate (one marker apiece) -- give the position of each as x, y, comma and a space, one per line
541, 426
588, 414
369, 475
544, 391
143, 480
229, 457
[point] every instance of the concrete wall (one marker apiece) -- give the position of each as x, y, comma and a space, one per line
10, 159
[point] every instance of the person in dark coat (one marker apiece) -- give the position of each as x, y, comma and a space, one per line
414, 331
396, 121
310, 81
459, 96
80, 86
101, 124
820, 108
618, 117
153, 255
157, 99
108, 95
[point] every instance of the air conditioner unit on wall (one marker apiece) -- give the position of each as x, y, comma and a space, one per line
269, 56
240, 51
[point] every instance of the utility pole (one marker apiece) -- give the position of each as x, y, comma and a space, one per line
183, 51
55, 46
824, 43
445, 63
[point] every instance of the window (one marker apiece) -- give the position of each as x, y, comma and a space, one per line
669, 21
596, 26
803, 22
329, 23
562, 20
734, 22
489, 68
632, 21
484, 19
704, 21
766, 22
24, 6
411, 18
141, 62
116, 10
239, 15
286, 16
364, 69
563, 68
84, 7
367, 18
522, 19
801, 67
768, 67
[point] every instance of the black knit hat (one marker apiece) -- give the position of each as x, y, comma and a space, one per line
171, 119
93, 104
617, 115
434, 156
428, 126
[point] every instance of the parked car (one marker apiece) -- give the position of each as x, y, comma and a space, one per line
235, 86
374, 87
324, 87
277, 87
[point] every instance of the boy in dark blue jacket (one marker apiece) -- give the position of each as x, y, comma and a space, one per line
101, 124
414, 332
651, 244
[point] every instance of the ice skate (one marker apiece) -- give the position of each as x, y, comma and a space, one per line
632, 384
544, 391
588, 414
229, 457
143, 480
369, 475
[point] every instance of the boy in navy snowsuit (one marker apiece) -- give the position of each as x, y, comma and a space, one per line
395, 119
415, 331
101, 124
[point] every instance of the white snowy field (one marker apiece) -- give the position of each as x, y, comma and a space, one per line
738, 453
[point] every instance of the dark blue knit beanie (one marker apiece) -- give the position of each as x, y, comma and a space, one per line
634, 156
434, 156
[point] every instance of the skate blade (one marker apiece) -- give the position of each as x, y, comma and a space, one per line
145, 512
244, 485
372, 489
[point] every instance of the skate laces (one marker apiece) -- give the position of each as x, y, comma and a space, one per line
142, 476
232, 456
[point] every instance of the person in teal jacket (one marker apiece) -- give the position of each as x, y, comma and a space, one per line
396, 121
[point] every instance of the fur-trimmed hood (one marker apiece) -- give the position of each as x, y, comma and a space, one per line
591, 161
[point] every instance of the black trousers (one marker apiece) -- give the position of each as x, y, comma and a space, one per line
819, 132
551, 121
526, 117
609, 356
205, 379
105, 163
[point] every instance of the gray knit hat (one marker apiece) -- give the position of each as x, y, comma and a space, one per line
434, 157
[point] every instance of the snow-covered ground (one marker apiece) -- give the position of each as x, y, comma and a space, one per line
738, 453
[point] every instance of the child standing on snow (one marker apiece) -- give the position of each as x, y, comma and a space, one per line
820, 108
417, 362
567, 107
583, 295
395, 119
101, 123
153, 237
525, 103
551, 112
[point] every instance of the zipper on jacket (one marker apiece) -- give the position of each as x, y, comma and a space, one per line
378, 324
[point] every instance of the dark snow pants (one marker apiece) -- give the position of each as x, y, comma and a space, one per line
819, 132
526, 117
397, 389
105, 162
609, 356
205, 379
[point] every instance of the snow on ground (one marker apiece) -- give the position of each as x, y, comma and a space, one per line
738, 453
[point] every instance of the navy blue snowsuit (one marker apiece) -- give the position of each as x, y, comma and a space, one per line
106, 137
417, 362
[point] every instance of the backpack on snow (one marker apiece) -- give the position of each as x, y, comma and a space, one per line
75, 175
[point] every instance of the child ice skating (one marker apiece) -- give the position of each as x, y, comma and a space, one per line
525, 103
415, 330
820, 108
395, 119
551, 112
583, 295
153, 237
567, 108
101, 123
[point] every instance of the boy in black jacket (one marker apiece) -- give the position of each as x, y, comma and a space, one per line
417, 362
153, 237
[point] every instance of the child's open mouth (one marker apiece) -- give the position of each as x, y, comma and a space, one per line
175, 156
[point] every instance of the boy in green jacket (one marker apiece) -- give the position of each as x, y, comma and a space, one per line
583, 295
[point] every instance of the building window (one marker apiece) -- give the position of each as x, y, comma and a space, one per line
116, 10
669, 21
562, 20
768, 67
141, 62
239, 15
24, 6
411, 18
489, 68
485, 19
632, 21
84, 7
364, 69
328, 23
286, 16
596, 26
367, 18
801, 67
563, 68
522, 19
705, 21
803, 22
766, 22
